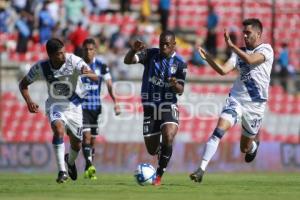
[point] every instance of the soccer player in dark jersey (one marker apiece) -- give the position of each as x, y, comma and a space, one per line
63, 107
91, 106
163, 78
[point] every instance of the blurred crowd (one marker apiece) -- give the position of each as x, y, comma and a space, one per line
35, 21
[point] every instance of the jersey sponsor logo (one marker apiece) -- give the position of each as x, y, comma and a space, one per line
159, 82
90, 87
62, 89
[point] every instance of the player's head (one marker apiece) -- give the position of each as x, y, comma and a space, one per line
89, 49
56, 51
252, 32
167, 43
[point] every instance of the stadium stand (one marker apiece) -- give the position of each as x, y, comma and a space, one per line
16, 121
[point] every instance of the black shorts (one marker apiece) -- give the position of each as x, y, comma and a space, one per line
90, 120
155, 118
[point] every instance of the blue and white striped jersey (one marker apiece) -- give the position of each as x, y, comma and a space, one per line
92, 100
253, 81
63, 84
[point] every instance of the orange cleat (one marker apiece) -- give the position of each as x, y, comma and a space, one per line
157, 181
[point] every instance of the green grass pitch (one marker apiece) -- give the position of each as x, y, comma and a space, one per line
231, 186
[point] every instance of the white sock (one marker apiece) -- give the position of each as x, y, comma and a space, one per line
210, 149
254, 147
59, 151
72, 156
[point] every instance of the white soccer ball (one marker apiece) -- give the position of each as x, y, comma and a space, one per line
145, 174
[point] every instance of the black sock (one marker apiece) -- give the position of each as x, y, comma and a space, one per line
164, 158
86, 149
93, 153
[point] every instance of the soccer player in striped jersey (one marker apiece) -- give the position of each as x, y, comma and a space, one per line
63, 106
91, 106
248, 96
163, 78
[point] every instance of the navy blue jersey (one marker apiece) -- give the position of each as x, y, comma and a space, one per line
92, 100
158, 69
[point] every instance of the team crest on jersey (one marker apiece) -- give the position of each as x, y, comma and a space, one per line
56, 115
173, 69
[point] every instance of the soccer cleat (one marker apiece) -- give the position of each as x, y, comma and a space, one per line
197, 175
62, 177
72, 171
157, 181
249, 157
90, 173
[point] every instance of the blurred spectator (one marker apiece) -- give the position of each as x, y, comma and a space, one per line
4, 17
124, 6
77, 37
164, 11
57, 32
54, 10
196, 59
74, 10
19, 5
283, 61
46, 24
145, 11
118, 39
145, 29
29, 11
23, 33
102, 41
115, 60
103, 6
116, 54
211, 38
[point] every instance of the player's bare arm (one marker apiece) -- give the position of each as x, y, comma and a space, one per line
130, 56
222, 70
177, 87
89, 73
117, 108
23, 86
251, 59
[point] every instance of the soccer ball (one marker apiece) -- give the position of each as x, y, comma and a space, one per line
145, 174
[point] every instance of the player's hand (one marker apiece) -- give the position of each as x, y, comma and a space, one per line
117, 109
172, 81
138, 46
227, 39
85, 70
32, 107
202, 53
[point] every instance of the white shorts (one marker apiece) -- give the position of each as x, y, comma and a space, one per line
251, 114
69, 113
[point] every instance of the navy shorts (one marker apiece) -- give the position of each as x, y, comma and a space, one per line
155, 118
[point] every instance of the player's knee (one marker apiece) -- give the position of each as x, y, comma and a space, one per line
76, 146
86, 141
58, 129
